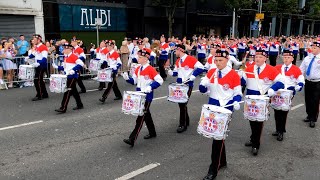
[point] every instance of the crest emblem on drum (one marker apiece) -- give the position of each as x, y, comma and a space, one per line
210, 124
186, 67
103, 76
226, 87
253, 109
278, 99
128, 103
177, 93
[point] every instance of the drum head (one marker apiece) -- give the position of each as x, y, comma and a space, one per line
217, 108
258, 97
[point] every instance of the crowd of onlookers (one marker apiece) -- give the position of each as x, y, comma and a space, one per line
13, 50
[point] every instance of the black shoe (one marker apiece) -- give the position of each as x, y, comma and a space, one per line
312, 124
181, 129
149, 136
118, 98
36, 99
45, 97
78, 107
280, 137
210, 177
80, 92
222, 166
306, 119
275, 133
255, 151
100, 88
60, 111
249, 143
102, 100
128, 141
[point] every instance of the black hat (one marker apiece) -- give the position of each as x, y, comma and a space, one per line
67, 45
261, 52
143, 53
109, 42
136, 38
221, 53
287, 52
316, 43
129, 39
180, 47
139, 42
38, 36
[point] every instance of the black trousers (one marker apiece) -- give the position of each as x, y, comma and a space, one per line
39, 83
161, 64
281, 120
218, 156
273, 60
201, 60
241, 55
103, 84
80, 83
312, 98
184, 116
256, 131
295, 56
114, 86
72, 91
301, 53
139, 123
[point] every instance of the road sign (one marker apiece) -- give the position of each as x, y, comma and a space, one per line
260, 16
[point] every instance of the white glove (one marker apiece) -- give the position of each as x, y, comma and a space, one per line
170, 72
101, 61
192, 78
298, 88
125, 76
72, 72
240, 73
35, 65
271, 92
114, 68
26, 58
205, 82
54, 66
236, 105
148, 89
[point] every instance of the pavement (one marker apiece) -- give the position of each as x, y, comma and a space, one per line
87, 144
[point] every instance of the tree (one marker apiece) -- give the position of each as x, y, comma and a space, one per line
280, 8
170, 6
239, 4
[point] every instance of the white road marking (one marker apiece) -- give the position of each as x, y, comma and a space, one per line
163, 97
297, 106
20, 125
139, 171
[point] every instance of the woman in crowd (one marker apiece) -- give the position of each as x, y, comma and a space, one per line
7, 53
124, 51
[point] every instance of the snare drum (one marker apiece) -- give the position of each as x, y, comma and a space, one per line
178, 93
58, 83
256, 108
94, 65
133, 103
105, 75
133, 68
214, 122
26, 72
282, 100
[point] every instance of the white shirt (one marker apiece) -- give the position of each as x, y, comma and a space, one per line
315, 68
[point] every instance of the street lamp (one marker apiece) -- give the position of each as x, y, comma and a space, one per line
98, 23
270, 25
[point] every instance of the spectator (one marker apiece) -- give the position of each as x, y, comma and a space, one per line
7, 53
124, 52
146, 42
22, 46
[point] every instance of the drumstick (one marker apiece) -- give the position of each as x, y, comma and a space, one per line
245, 72
232, 104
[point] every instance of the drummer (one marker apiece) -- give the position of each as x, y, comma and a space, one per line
114, 62
210, 60
226, 91
268, 81
186, 68
147, 79
71, 67
294, 81
101, 56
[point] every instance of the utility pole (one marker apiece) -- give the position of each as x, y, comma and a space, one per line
260, 9
233, 22
98, 23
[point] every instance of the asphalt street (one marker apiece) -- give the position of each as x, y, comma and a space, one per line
87, 144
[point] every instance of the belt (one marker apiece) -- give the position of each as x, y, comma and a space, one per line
313, 80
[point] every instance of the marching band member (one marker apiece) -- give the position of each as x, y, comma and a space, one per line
294, 81
311, 67
295, 50
267, 79
186, 68
274, 52
41, 66
201, 49
80, 53
250, 61
227, 90
152, 56
133, 53
114, 62
210, 61
101, 56
72, 64
241, 50
164, 53
147, 80
233, 49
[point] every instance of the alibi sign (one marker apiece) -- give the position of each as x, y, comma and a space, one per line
82, 18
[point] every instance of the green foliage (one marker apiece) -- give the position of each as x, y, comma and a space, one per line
239, 4
313, 6
281, 6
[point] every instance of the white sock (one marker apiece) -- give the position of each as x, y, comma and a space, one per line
1, 81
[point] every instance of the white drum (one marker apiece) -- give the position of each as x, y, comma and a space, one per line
178, 93
94, 65
133, 68
256, 108
214, 122
133, 103
282, 100
105, 75
58, 83
26, 72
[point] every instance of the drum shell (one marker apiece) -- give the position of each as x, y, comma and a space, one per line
178, 93
104, 75
26, 72
282, 100
58, 83
133, 103
256, 108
